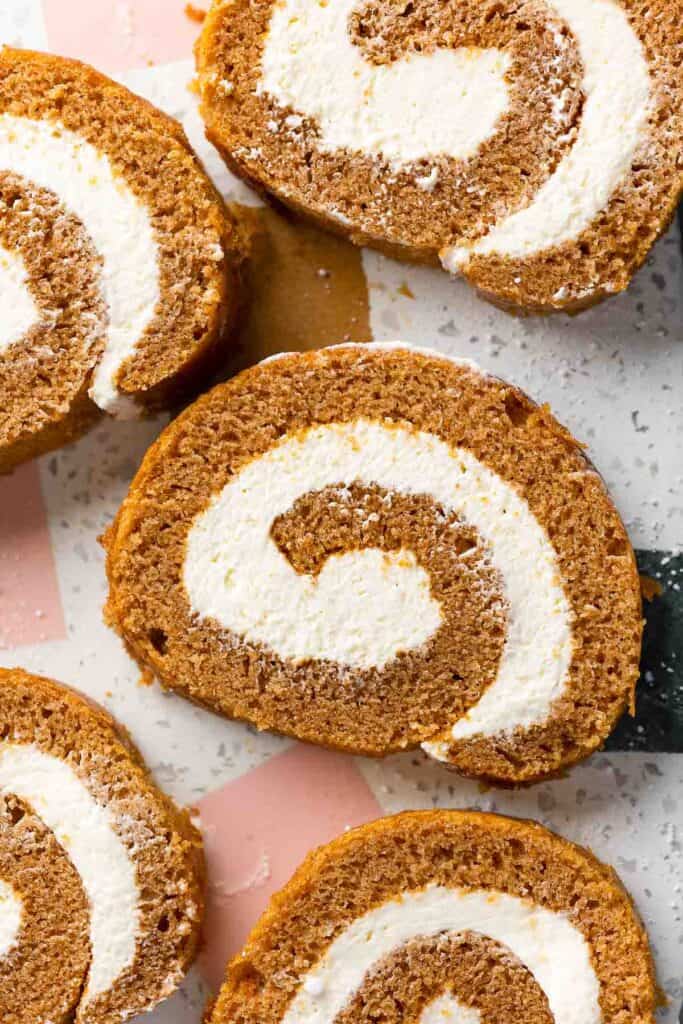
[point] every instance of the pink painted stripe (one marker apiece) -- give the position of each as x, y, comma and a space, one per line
258, 829
121, 34
30, 605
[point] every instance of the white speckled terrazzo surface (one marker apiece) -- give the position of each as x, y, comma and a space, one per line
613, 375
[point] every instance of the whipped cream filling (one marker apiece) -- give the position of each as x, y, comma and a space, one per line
118, 223
365, 606
618, 97
85, 830
11, 914
423, 105
446, 1009
549, 945
19, 310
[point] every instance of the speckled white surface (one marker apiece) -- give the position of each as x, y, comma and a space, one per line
22, 24
614, 376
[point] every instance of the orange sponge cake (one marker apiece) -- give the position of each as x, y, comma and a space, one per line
533, 147
101, 875
374, 547
118, 260
445, 917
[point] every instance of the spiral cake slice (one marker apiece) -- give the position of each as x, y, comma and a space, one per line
533, 147
445, 917
118, 261
101, 875
372, 547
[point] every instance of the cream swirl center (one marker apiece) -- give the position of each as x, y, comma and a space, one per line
448, 101
364, 607
446, 1009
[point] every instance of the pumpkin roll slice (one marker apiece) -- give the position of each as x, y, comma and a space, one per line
533, 147
101, 875
445, 917
373, 547
118, 260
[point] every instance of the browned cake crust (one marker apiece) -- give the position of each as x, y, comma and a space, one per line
417, 211
377, 863
46, 972
44, 376
417, 695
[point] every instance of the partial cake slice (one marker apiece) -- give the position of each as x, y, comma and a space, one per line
373, 547
119, 264
101, 875
535, 147
44, 921
445, 917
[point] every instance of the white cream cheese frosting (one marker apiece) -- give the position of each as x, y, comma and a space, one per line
618, 96
11, 915
119, 226
446, 1009
18, 310
549, 945
364, 606
449, 101
85, 830
423, 105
